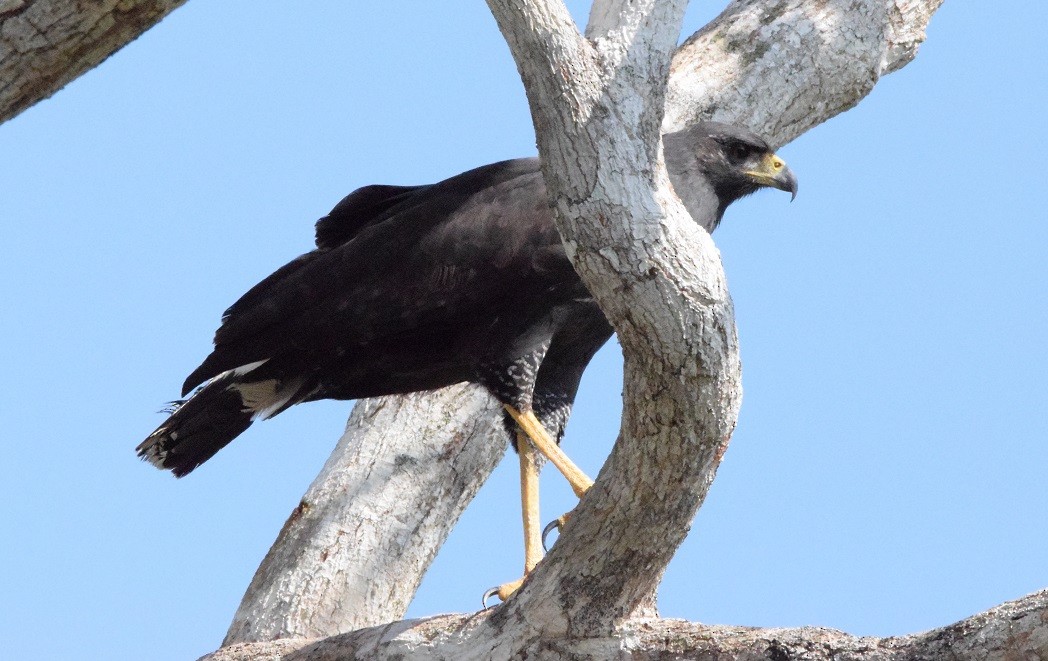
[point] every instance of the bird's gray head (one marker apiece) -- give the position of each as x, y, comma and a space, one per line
712, 164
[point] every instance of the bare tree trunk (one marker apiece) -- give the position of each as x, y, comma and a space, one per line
597, 103
45, 44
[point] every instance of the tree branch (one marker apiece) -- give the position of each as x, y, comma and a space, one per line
658, 278
1014, 630
782, 70
348, 556
45, 44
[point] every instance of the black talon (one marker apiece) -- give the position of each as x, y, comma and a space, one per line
488, 595
555, 523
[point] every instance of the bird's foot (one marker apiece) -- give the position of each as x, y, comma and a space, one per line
556, 524
503, 591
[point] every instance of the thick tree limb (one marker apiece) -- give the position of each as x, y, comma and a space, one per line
45, 44
597, 107
349, 555
1014, 630
781, 77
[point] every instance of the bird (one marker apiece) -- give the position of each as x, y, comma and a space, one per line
413, 288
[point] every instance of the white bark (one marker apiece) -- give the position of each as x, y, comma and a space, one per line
597, 108
1011, 631
348, 555
784, 76
45, 44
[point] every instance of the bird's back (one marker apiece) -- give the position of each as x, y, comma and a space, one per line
435, 277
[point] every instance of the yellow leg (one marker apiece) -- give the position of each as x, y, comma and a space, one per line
535, 437
527, 421
529, 507
529, 503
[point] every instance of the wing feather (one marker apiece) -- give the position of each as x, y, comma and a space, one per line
430, 255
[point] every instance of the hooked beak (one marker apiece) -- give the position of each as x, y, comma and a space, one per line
772, 171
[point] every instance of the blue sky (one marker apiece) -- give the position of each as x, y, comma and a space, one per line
888, 471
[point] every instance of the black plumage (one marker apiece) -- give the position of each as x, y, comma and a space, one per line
417, 287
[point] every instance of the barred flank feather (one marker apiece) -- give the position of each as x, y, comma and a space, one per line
198, 427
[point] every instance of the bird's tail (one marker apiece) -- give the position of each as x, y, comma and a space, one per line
212, 417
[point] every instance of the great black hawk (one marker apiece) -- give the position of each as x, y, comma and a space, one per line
418, 287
